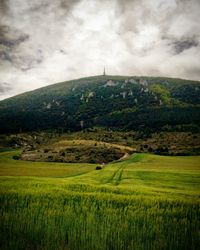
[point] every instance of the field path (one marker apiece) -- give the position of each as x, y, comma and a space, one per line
125, 156
116, 177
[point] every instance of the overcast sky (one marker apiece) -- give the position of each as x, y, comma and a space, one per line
48, 41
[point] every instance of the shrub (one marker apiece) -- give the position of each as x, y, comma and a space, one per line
98, 167
16, 157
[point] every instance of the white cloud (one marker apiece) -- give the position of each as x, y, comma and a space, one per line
53, 41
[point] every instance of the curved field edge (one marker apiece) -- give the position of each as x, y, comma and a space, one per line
143, 202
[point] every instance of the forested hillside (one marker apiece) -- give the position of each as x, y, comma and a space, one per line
117, 102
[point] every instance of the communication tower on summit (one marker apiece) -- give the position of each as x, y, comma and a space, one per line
104, 71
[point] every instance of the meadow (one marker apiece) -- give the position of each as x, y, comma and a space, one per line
143, 202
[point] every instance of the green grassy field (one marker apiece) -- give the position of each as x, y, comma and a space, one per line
143, 202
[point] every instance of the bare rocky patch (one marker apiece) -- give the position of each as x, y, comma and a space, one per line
76, 152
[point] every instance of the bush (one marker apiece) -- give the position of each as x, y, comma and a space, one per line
62, 154
16, 157
162, 150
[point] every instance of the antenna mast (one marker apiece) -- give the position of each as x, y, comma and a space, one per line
104, 71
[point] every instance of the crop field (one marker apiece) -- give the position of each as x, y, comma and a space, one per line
143, 202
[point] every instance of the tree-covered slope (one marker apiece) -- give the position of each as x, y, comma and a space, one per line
111, 101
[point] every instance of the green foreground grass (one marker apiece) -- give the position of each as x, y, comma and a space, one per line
144, 202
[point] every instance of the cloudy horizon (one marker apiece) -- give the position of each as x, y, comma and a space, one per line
44, 42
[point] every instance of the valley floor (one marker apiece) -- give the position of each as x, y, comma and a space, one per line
142, 202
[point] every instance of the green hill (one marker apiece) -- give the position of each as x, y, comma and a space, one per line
118, 102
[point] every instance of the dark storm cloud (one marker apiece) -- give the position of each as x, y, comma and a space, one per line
42, 42
67, 5
9, 40
180, 46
